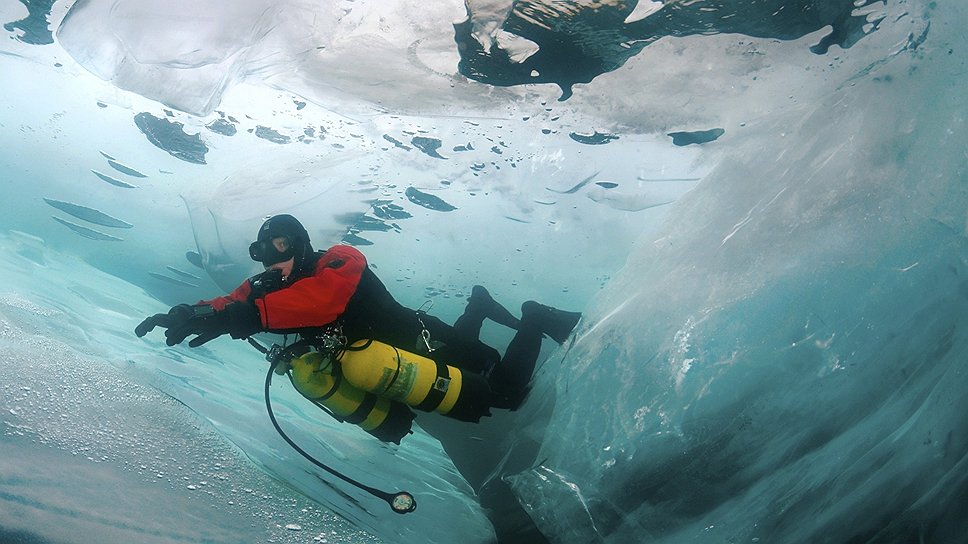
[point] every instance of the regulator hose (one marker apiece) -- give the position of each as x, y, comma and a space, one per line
401, 502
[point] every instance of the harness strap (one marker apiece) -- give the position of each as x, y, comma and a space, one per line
337, 381
361, 348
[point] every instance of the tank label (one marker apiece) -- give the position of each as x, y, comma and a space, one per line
399, 388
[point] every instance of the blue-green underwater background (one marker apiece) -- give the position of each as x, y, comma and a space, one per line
760, 208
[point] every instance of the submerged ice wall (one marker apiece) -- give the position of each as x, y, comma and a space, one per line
784, 362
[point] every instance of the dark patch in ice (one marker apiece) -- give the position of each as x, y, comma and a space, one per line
35, 26
367, 223
124, 169
299, 104
516, 219
88, 214
114, 181
396, 142
359, 222
578, 41
354, 240
430, 202
386, 209
168, 279
101, 104
309, 135
223, 127
182, 273
478, 166
913, 41
696, 137
596, 138
383, 210
497, 149
194, 258
267, 133
578, 186
171, 137
466, 147
86, 232
106, 156
606, 184
427, 145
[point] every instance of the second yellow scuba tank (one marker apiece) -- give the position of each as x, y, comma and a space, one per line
420, 382
316, 377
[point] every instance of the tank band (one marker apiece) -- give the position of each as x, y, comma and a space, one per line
436, 394
361, 413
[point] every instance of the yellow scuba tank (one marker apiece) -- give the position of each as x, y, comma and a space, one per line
420, 382
316, 377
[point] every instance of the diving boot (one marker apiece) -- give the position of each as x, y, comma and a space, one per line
481, 299
555, 323
510, 401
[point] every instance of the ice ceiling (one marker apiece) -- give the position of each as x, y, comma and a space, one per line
445, 100
759, 206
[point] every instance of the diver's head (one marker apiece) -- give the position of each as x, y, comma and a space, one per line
282, 243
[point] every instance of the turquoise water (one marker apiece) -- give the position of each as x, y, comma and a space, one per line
760, 210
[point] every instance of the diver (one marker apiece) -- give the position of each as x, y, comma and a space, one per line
312, 293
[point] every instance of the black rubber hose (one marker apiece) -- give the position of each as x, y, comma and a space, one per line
401, 502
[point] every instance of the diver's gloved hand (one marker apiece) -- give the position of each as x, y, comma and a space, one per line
176, 315
188, 323
240, 319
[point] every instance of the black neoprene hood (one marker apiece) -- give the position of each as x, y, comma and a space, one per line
277, 226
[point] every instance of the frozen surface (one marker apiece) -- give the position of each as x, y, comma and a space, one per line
760, 207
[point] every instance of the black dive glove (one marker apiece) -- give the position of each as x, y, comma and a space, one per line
240, 319
176, 316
